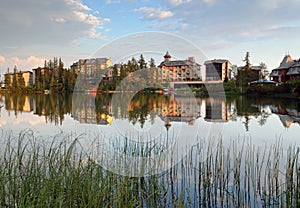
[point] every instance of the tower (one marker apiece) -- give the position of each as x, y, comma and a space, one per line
167, 57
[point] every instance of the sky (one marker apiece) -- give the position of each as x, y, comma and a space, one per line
35, 30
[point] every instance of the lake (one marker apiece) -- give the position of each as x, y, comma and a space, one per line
182, 150
264, 120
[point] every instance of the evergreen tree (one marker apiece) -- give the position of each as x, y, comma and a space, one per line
247, 62
115, 72
142, 62
15, 78
123, 71
52, 81
264, 70
152, 63
21, 81
7, 80
134, 65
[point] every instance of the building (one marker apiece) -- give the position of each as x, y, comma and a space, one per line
27, 76
256, 72
217, 69
90, 67
288, 69
179, 70
109, 75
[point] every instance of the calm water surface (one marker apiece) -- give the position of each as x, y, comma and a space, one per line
264, 120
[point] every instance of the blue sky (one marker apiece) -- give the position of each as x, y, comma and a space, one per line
34, 30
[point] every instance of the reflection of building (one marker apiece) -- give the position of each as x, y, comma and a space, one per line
179, 109
28, 104
287, 116
216, 110
179, 70
88, 111
217, 69
288, 69
19, 103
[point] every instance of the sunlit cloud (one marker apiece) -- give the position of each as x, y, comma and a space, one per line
58, 20
21, 63
151, 13
2, 59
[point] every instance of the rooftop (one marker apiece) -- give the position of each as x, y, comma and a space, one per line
216, 61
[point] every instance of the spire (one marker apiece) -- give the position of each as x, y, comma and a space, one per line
167, 56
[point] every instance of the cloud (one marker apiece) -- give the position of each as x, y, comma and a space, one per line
151, 13
174, 3
78, 5
112, 1
229, 20
58, 20
47, 22
2, 59
23, 64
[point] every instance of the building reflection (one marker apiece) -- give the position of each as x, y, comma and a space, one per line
179, 109
92, 110
287, 116
142, 108
18, 104
216, 110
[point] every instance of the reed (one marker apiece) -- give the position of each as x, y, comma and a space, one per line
52, 172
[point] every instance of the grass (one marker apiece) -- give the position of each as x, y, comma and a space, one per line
52, 172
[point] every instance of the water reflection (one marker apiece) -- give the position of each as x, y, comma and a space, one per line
98, 109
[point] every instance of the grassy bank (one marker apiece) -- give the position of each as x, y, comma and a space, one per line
51, 172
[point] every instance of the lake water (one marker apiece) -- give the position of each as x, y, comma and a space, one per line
264, 120
172, 137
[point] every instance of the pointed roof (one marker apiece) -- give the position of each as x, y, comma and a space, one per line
167, 55
286, 62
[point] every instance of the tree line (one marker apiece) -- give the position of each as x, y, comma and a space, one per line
53, 76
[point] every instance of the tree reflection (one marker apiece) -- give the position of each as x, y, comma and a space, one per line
145, 107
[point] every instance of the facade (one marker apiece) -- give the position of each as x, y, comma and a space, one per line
8, 79
288, 69
217, 69
110, 72
179, 70
37, 71
90, 67
26, 75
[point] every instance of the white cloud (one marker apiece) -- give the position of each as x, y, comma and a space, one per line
87, 18
174, 3
22, 63
106, 20
154, 13
209, 2
113, 1
58, 20
2, 59
36, 22
78, 5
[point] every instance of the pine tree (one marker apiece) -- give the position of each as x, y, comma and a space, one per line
15, 78
142, 62
247, 61
152, 63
